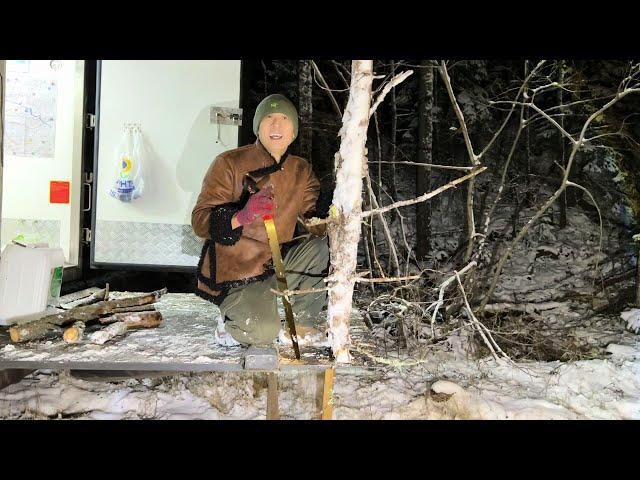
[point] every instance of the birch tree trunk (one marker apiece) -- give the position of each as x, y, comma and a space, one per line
305, 106
425, 143
344, 232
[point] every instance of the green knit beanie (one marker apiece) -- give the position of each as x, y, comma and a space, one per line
275, 104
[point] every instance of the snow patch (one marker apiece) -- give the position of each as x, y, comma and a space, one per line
632, 317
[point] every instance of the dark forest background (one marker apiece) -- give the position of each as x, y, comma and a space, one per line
416, 123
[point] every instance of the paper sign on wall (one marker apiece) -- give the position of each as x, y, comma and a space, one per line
59, 191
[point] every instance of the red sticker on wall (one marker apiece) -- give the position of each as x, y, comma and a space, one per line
59, 192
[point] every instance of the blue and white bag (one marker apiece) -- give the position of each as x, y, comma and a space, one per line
128, 183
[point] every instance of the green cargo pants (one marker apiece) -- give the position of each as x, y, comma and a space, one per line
252, 310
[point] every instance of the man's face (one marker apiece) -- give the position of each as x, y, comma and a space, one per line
276, 132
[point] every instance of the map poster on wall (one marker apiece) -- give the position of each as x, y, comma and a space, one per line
30, 111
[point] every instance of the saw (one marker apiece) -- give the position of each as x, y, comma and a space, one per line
282, 279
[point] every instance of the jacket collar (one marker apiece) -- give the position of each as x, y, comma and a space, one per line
275, 166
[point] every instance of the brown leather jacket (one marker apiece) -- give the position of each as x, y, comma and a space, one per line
240, 256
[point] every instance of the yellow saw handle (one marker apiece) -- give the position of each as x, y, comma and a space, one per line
281, 278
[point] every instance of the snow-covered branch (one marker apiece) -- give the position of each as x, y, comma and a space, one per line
479, 326
289, 293
387, 88
344, 232
428, 195
387, 279
430, 165
476, 171
577, 144
443, 286
506, 120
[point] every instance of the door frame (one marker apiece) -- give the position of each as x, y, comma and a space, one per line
94, 161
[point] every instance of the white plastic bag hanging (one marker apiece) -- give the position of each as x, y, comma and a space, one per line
128, 184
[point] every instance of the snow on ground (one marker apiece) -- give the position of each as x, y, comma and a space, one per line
445, 386
632, 317
552, 276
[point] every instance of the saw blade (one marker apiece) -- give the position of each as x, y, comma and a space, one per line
281, 279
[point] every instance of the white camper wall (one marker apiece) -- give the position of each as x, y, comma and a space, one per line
170, 101
26, 178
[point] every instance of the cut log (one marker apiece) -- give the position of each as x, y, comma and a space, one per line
96, 297
40, 327
138, 308
74, 333
135, 319
75, 296
106, 334
127, 322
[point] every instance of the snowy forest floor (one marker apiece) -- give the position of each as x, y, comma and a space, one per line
562, 312
446, 383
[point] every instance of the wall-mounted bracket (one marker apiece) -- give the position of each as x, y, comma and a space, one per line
225, 116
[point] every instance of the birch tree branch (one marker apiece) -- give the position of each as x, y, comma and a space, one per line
387, 279
387, 88
288, 293
428, 195
429, 165
477, 170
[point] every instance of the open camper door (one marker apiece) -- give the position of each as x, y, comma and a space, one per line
41, 156
159, 125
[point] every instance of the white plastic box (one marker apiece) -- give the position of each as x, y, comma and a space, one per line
30, 280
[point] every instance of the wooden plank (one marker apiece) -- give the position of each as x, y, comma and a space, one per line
273, 412
319, 394
327, 397
106, 365
95, 297
75, 296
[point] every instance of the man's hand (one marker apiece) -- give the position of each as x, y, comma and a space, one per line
259, 204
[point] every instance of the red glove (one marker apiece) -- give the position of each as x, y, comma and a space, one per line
259, 204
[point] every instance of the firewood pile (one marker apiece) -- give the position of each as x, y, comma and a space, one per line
94, 309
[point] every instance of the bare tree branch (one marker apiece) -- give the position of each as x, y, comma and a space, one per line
431, 165
444, 74
327, 89
484, 331
426, 196
565, 179
387, 279
387, 88
506, 120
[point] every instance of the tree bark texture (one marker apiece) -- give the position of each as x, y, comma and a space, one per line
42, 326
425, 155
305, 107
344, 232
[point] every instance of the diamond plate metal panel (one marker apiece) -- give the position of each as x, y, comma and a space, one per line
146, 243
33, 231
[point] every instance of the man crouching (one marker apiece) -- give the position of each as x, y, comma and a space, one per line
235, 270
